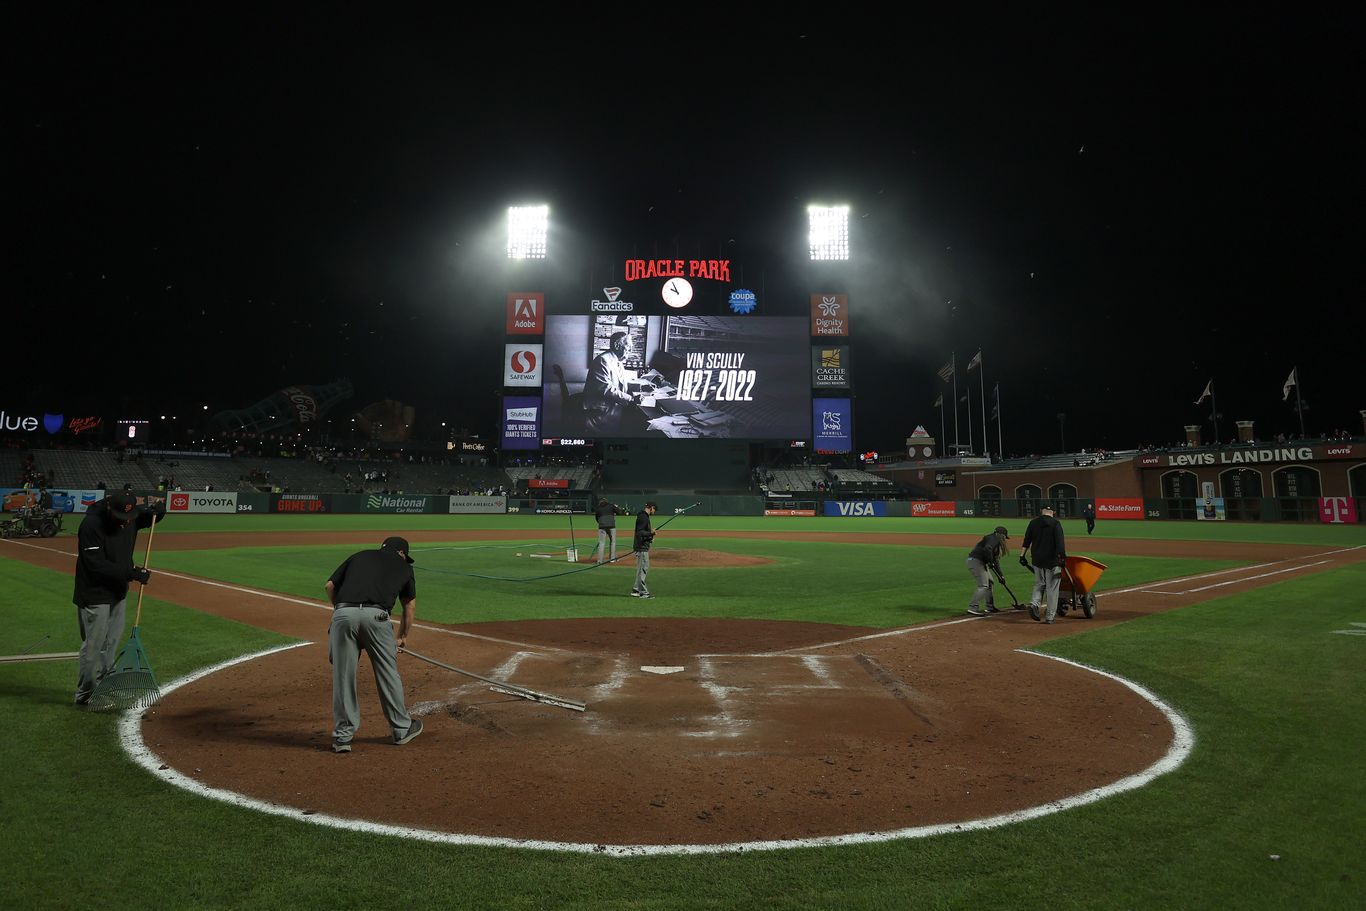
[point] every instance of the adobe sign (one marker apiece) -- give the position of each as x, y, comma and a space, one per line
526, 313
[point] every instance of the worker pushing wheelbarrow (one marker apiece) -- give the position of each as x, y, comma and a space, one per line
1071, 586
1079, 577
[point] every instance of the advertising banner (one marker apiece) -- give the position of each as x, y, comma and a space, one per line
521, 422
1212, 509
789, 512
1119, 508
477, 504
855, 508
201, 501
548, 483
829, 315
832, 425
947, 478
526, 313
299, 502
1338, 510
1342, 451
522, 364
922, 508
377, 502
830, 367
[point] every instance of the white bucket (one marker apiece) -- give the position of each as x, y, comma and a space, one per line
572, 555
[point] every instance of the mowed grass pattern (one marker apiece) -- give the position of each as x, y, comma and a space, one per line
1273, 691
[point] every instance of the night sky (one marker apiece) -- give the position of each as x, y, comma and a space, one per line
1113, 210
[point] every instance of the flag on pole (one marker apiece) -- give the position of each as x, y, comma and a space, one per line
976, 360
1290, 383
939, 402
1209, 390
946, 372
996, 402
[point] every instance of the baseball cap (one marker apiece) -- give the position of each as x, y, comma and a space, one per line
122, 505
1047, 507
1002, 531
650, 504
397, 543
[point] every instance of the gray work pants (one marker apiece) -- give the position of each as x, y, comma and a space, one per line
368, 628
606, 537
642, 570
1046, 583
101, 629
978, 570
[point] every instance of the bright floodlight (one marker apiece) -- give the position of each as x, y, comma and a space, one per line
829, 236
526, 231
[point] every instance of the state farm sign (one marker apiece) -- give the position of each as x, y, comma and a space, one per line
192, 501
1119, 508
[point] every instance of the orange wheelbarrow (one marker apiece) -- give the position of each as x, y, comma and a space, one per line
1078, 582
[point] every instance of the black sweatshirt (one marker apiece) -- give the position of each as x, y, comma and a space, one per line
104, 554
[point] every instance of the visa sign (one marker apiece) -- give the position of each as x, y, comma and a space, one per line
855, 508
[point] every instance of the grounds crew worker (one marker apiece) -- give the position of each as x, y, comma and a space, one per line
104, 567
1044, 536
362, 591
644, 537
607, 529
986, 555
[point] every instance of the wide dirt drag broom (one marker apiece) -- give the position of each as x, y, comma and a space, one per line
131, 684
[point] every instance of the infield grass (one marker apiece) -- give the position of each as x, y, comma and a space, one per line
1275, 694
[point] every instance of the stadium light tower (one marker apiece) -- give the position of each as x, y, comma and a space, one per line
828, 235
527, 231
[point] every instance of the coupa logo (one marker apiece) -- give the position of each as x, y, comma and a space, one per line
743, 301
180, 501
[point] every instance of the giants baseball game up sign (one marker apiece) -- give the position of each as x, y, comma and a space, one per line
526, 313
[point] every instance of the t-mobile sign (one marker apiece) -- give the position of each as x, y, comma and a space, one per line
521, 422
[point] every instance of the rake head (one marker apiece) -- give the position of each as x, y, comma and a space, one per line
131, 684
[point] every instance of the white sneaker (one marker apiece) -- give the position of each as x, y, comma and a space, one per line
977, 612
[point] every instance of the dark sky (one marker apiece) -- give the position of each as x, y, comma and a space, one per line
1113, 209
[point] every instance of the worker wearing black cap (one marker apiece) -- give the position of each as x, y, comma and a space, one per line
986, 555
104, 568
363, 590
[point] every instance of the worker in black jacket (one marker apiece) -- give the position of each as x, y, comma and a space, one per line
644, 537
986, 556
1044, 539
104, 568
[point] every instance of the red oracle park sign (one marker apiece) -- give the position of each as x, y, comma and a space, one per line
547, 483
526, 313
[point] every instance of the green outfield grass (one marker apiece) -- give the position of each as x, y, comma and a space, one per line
1276, 697
585, 528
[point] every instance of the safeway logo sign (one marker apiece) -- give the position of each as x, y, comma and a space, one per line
526, 314
522, 365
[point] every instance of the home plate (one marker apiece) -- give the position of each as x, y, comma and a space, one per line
659, 669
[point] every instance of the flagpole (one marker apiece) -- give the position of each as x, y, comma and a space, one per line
982, 381
953, 362
1214, 411
942, 434
1299, 405
1000, 443
972, 447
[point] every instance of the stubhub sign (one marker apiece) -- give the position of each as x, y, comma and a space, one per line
855, 508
